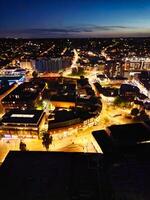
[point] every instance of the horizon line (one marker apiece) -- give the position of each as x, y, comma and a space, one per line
117, 37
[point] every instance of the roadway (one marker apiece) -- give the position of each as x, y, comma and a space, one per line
104, 54
68, 71
49, 49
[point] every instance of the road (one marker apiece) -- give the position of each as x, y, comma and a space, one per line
68, 71
104, 54
75, 59
49, 49
64, 51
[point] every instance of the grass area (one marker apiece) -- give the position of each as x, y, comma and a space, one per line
121, 102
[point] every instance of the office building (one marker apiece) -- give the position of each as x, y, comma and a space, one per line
24, 96
52, 64
23, 123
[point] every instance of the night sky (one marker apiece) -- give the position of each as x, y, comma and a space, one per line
74, 18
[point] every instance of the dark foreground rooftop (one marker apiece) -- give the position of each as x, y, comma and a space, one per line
51, 175
75, 176
129, 134
130, 175
124, 139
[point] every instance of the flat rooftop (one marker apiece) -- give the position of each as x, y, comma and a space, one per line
130, 133
51, 175
129, 176
10, 78
120, 140
79, 176
104, 141
25, 92
22, 117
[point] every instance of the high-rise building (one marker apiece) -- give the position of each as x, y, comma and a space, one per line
114, 69
52, 64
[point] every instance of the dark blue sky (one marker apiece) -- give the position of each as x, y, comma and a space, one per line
74, 18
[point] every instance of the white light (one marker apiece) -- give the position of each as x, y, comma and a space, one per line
22, 116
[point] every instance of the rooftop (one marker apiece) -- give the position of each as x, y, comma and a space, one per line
22, 117
51, 175
10, 78
121, 140
130, 133
25, 92
58, 175
129, 176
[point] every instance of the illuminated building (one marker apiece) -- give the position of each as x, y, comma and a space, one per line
142, 81
12, 71
60, 91
52, 64
137, 64
12, 79
24, 96
23, 123
114, 69
27, 64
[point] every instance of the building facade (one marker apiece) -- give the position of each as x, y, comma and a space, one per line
52, 64
137, 64
114, 69
22, 123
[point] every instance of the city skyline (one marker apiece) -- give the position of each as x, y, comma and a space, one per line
67, 18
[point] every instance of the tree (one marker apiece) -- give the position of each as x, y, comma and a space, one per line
35, 74
135, 112
47, 140
22, 146
119, 101
139, 115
